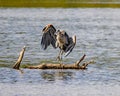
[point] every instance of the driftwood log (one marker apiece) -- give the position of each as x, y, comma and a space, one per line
75, 65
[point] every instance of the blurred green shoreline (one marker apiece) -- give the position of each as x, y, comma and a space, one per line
60, 3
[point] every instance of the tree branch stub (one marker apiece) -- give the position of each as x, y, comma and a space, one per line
17, 64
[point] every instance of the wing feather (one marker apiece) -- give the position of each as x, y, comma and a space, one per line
69, 49
70, 46
48, 37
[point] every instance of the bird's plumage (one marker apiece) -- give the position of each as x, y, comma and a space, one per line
57, 39
48, 36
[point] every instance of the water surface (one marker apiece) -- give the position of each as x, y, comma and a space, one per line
98, 37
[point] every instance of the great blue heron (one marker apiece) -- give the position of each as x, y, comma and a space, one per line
57, 39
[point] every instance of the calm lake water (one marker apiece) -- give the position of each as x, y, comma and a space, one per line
98, 36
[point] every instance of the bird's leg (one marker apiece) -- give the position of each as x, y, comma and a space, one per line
61, 62
59, 58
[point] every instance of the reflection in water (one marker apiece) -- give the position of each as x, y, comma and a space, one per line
50, 76
61, 75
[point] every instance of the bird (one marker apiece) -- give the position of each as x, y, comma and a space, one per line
58, 39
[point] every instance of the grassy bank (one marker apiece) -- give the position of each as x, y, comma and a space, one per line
58, 3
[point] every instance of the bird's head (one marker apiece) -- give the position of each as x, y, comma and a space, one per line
60, 33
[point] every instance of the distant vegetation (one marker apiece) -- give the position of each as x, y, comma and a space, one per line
60, 3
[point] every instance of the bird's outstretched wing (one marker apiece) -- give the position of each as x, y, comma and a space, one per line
48, 36
70, 46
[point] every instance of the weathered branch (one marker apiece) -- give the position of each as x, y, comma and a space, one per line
75, 65
17, 64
